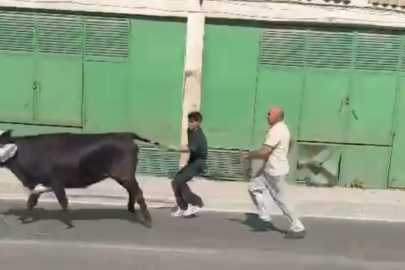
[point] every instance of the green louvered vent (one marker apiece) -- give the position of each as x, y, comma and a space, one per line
377, 52
282, 48
107, 39
225, 165
402, 60
17, 32
329, 50
59, 34
157, 162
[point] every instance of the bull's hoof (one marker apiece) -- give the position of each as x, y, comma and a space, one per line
32, 200
26, 220
131, 208
146, 218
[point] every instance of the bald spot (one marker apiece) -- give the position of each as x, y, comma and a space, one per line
277, 110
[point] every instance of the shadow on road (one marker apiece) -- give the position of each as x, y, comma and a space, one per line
72, 215
257, 225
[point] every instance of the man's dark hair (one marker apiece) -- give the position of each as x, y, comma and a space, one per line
195, 117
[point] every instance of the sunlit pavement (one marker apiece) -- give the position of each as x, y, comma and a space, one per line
110, 238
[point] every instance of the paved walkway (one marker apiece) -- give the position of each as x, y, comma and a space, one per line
232, 196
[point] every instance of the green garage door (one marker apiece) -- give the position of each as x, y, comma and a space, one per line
40, 69
59, 70
17, 77
156, 89
228, 94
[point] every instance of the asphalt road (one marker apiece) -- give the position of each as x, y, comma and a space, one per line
110, 238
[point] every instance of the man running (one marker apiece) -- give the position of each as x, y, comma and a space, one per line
189, 203
274, 174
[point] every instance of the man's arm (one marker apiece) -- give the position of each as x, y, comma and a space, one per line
262, 153
271, 142
181, 149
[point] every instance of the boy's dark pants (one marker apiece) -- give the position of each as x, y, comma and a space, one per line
182, 191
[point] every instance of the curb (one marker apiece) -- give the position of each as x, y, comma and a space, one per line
158, 203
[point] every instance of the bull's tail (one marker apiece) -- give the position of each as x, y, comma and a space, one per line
139, 138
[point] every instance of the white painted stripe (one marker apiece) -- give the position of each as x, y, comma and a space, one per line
136, 248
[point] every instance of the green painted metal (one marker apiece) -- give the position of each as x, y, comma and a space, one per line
327, 83
341, 165
40, 60
230, 59
367, 124
276, 86
106, 88
23, 129
343, 86
369, 164
106, 74
156, 86
16, 87
17, 70
17, 32
228, 84
318, 164
396, 177
157, 63
106, 39
58, 96
59, 35
324, 108
58, 70
280, 80
225, 165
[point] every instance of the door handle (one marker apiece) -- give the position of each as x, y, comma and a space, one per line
355, 114
347, 100
34, 85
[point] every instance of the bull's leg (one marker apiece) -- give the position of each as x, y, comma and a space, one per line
147, 219
32, 201
63, 201
131, 196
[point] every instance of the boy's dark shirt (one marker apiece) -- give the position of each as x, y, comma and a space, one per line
197, 144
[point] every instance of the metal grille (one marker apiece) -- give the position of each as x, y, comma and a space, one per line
377, 52
329, 50
106, 39
16, 32
157, 162
282, 48
226, 165
59, 34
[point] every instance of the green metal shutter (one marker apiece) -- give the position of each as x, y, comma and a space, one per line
230, 60
328, 50
107, 39
59, 70
59, 34
379, 52
106, 73
327, 83
282, 48
156, 88
16, 32
17, 46
375, 79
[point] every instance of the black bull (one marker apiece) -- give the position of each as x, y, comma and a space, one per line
65, 160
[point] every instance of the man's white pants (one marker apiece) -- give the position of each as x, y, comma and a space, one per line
275, 185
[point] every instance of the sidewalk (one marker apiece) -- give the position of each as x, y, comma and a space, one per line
344, 203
